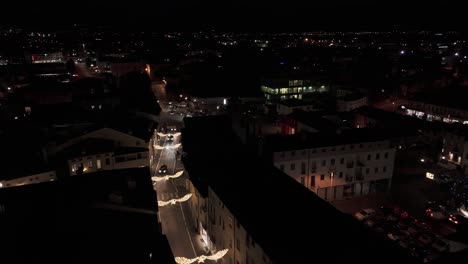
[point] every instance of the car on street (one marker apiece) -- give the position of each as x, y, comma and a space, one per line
364, 214
436, 211
163, 169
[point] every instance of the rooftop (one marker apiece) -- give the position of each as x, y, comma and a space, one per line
296, 103
452, 97
109, 217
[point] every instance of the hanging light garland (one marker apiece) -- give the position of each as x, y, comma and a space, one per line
164, 135
167, 177
168, 147
174, 201
202, 258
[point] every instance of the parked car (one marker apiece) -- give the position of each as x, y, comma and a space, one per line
364, 214
436, 211
440, 246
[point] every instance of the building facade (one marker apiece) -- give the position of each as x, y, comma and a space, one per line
219, 229
338, 172
276, 90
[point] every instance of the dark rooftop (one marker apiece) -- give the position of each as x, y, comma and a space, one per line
295, 102
314, 120
109, 217
454, 97
289, 222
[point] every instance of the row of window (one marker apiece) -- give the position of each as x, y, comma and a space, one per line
324, 150
90, 164
313, 167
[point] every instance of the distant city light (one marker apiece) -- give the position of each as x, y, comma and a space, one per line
457, 54
422, 160
224, 101
282, 63
402, 52
9, 88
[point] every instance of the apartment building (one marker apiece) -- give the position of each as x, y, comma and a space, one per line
261, 215
336, 167
104, 149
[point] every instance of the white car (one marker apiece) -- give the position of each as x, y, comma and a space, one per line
364, 214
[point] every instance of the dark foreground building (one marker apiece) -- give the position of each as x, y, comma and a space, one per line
102, 217
262, 215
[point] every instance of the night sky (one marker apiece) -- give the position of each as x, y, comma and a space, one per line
288, 15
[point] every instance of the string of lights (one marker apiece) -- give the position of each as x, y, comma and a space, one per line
167, 177
174, 201
202, 258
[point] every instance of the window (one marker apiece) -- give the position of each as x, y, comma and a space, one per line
367, 170
376, 170
107, 161
312, 181
322, 177
293, 166
90, 163
303, 180
237, 244
98, 164
74, 166
324, 163
369, 157
340, 174
303, 168
332, 162
377, 156
342, 161
282, 167
313, 167
386, 155
384, 168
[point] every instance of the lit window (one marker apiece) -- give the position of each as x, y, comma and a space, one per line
98, 164
90, 163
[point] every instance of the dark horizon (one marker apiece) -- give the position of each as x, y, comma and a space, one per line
189, 15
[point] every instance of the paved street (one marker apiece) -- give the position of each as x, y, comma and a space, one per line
175, 219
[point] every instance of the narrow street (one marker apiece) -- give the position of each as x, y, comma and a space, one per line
175, 219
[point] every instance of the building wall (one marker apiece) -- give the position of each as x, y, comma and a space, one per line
436, 112
31, 179
340, 172
345, 106
223, 230
108, 161
286, 110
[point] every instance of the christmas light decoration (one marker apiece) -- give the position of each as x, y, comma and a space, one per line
174, 201
167, 147
167, 177
202, 258
165, 135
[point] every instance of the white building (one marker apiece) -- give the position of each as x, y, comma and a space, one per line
104, 149
338, 167
350, 102
30, 179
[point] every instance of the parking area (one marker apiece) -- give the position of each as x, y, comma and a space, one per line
424, 237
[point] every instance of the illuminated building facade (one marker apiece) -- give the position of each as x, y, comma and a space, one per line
276, 90
338, 167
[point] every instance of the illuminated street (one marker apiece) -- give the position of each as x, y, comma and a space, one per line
175, 219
